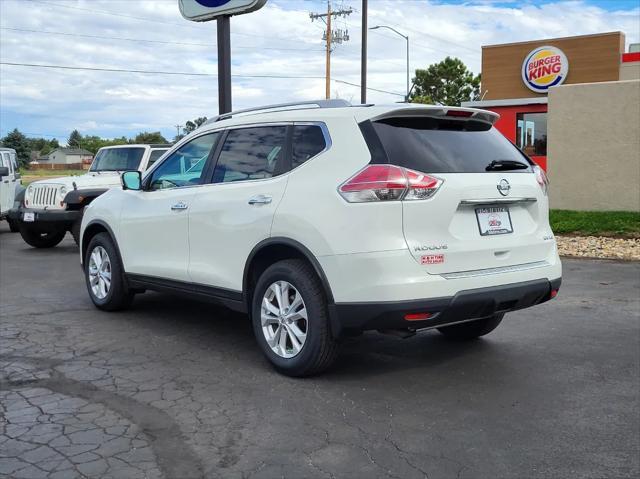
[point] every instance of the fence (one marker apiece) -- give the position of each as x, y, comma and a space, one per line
59, 166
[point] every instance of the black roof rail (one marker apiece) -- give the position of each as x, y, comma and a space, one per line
337, 103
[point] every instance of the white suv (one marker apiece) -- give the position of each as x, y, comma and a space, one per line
324, 220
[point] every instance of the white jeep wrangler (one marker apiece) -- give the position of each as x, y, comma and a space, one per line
10, 184
49, 208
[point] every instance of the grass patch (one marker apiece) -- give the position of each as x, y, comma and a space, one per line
596, 223
29, 176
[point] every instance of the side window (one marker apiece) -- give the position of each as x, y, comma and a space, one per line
184, 167
308, 141
154, 155
251, 154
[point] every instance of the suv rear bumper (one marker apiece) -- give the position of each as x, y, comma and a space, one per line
463, 306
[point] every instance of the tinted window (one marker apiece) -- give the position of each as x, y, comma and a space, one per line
154, 155
117, 159
531, 135
251, 154
184, 167
308, 141
433, 145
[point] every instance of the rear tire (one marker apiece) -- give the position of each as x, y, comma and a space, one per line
472, 329
301, 317
41, 240
104, 275
13, 226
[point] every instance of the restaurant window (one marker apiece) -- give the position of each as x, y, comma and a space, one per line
531, 135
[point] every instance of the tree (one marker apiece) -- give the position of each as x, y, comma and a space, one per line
75, 139
192, 125
147, 137
18, 142
446, 83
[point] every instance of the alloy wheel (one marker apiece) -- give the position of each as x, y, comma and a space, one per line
284, 319
99, 272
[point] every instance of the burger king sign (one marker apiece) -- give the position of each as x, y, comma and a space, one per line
543, 68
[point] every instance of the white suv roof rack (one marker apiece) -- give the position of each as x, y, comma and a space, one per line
298, 105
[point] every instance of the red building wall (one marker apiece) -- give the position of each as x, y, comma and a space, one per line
507, 124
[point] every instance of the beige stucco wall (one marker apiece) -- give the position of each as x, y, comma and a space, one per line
630, 71
593, 149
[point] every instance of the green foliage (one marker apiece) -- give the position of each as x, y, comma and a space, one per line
149, 137
75, 139
422, 99
20, 143
446, 83
603, 223
192, 125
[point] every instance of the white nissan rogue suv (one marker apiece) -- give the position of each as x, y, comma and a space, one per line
322, 220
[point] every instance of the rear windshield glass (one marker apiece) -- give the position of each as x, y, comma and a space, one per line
432, 145
117, 159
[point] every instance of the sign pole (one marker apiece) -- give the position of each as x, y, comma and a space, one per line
363, 55
224, 64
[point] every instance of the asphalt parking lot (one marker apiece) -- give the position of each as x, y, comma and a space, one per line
178, 389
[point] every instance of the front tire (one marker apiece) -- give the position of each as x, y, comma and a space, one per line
13, 225
41, 240
472, 329
291, 319
104, 275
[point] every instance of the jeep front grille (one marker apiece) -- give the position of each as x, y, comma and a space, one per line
43, 196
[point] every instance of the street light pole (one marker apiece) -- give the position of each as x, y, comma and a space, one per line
406, 37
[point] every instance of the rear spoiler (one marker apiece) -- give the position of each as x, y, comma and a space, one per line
457, 113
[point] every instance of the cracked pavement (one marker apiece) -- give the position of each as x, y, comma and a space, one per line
176, 388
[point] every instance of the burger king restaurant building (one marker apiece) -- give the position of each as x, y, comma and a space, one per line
517, 77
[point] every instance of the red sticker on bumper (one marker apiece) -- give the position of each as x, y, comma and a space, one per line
432, 259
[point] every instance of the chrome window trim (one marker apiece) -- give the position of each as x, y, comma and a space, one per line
222, 129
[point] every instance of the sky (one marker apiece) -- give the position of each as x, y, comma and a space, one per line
278, 40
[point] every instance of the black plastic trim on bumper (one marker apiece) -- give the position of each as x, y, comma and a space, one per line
465, 305
46, 216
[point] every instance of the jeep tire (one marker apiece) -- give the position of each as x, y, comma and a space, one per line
41, 240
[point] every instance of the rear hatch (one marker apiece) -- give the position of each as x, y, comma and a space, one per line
491, 209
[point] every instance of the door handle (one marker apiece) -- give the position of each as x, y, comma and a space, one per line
181, 205
260, 200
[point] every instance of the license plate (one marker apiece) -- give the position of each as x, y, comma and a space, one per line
494, 220
29, 217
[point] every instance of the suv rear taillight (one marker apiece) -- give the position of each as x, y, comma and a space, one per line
388, 183
541, 178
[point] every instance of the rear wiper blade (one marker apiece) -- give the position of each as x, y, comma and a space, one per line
506, 165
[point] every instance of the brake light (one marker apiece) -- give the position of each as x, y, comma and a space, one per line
459, 113
388, 183
541, 178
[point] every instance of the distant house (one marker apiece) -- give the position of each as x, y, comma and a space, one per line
66, 156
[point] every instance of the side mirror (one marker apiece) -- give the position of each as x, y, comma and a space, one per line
131, 180
4, 171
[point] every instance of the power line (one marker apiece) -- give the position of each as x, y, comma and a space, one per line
141, 40
183, 25
195, 74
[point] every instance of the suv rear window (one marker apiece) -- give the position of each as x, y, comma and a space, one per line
434, 145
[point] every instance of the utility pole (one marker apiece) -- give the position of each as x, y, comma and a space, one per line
178, 130
331, 36
363, 54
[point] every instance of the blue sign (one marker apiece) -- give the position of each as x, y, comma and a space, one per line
212, 3
205, 10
